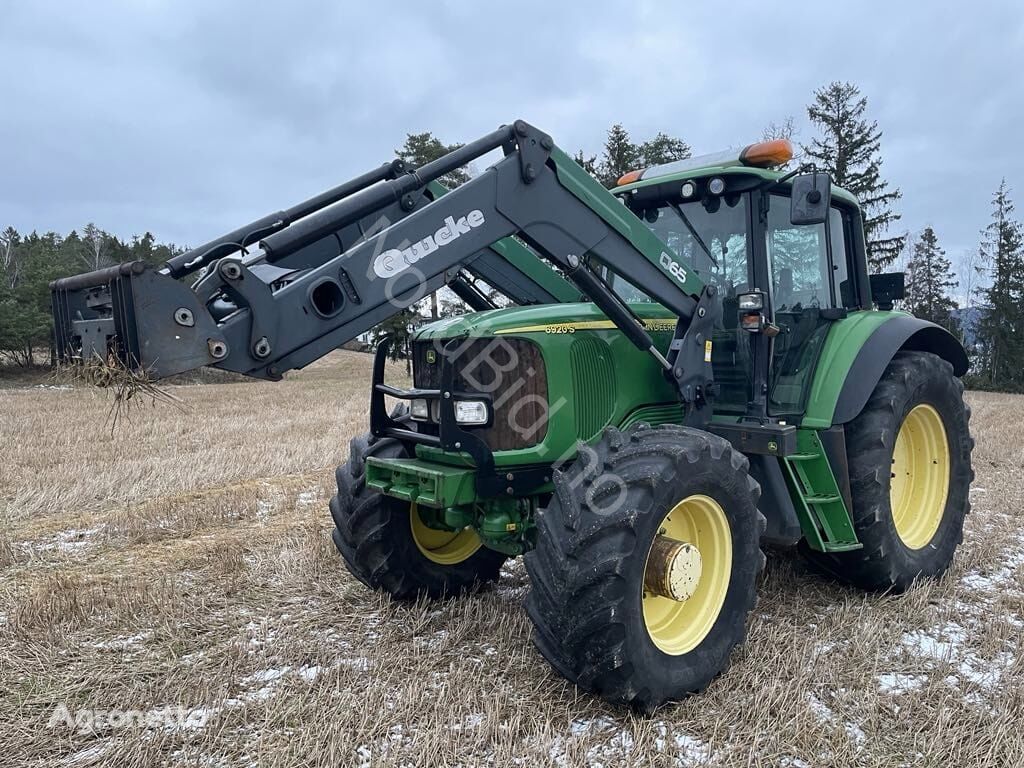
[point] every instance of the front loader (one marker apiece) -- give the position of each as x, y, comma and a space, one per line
730, 378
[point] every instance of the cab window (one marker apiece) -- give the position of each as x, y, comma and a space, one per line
808, 269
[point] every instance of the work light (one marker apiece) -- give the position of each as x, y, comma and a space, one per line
419, 410
749, 302
470, 411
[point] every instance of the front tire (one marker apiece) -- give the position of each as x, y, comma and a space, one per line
597, 619
910, 477
387, 546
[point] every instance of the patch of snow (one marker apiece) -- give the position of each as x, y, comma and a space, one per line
309, 674
69, 541
689, 750
305, 498
88, 756
825, 714
820, 709
896, 683
856, 734
947, 643
124, 642
939, 642
267, 675
358, 663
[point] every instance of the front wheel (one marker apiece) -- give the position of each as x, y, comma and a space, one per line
388, 547
646, 564
910, 476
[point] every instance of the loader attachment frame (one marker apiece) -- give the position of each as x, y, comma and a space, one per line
535, 195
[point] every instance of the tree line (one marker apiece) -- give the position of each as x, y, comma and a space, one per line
29, 262
982, 302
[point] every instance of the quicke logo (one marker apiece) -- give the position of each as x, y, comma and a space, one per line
395, 261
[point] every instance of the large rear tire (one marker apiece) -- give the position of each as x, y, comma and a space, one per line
388, 548
910, 476
598, 620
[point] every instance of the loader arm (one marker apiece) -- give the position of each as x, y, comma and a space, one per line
535, 195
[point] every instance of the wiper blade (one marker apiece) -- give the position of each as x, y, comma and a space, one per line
693, 231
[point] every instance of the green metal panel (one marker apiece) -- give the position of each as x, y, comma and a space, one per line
845, 339
765, 174
630, 379
824, 519
421, 482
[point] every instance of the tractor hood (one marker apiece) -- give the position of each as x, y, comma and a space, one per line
544, 318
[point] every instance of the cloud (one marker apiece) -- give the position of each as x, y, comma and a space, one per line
188, 118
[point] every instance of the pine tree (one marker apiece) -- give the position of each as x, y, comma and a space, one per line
1001, 326
620, 155
588, 164
421, 148
848, 148
10, 241
663, 149
930, 282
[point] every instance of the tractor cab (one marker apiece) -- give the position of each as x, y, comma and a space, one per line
785, 251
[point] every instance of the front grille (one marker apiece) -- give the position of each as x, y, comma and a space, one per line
593, 381
511, 371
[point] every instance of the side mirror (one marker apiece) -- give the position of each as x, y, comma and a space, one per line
886, 288
811, 198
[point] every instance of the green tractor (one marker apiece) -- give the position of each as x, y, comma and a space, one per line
697, 365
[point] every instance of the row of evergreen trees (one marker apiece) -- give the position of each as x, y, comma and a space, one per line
29, 262
846, 144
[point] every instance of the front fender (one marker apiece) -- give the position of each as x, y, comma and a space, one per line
856, 355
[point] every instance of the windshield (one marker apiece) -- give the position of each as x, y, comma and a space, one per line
709, 236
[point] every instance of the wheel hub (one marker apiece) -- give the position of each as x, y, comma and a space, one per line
686, 575
673, 569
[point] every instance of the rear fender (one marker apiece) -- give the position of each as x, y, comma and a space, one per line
899, 332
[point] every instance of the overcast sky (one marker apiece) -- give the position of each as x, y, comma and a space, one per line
190, 118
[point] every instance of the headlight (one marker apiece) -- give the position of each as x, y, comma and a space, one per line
470, 412
750, 301
716, 186
418, 409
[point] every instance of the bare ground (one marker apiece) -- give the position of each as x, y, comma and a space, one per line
185, 562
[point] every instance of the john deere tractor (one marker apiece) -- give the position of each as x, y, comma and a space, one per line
686, 369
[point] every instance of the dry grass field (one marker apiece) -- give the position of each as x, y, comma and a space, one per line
185, 562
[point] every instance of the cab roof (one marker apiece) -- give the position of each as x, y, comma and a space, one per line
759, 160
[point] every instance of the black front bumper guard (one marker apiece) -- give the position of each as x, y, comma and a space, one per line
451, 436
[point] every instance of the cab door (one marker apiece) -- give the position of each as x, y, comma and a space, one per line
808, 283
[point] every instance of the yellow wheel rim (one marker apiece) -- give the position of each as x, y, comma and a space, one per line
920, 476
677, 627
442, 547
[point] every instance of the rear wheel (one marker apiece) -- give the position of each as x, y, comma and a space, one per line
388, 547
646, 564
910, 474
